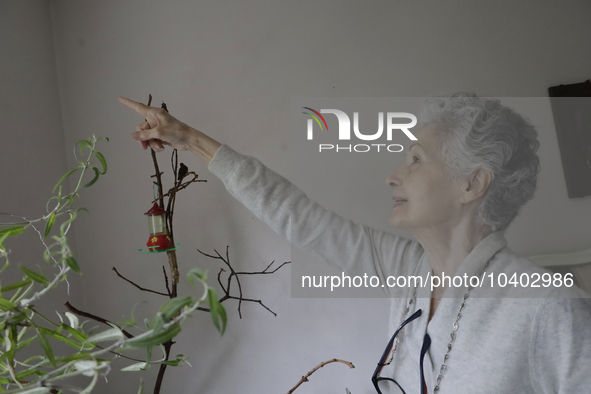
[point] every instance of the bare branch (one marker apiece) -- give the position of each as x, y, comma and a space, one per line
229, 297
208, 255
182, 185
94, 317
138, 286
166, 281
322, 364
174, 271
264, 272
220, 280
234, 274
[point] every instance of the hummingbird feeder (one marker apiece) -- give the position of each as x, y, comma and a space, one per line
159, 240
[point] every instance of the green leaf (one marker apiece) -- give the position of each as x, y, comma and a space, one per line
73, 357
88, 366
131, 321
17, 318
173, 363
218, 313
173, 306
11, 338
60, 337
154, 340
197, 272
1, 252
15, 285
113, 334
79, 335
103, 162
73, 215
6, 305
40, 358
96, 177
20, 295
72, 264
84, 144
24, 374
49, 224
48, 254
74, 322
46, 347
22, 333
63, 178
157, 323
141, 388
36, 390
11, 232
148, 358
25, 343
134, 367
35, 276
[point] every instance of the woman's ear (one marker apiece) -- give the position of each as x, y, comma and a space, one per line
475, 185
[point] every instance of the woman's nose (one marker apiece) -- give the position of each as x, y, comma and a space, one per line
393, 179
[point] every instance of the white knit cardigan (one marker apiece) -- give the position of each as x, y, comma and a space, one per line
505, 343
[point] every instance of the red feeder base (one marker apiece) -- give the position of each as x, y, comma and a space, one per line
158, 242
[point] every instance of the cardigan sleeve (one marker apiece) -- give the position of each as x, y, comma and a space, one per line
355, 248
561, 352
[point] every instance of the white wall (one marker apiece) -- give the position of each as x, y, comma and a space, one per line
231, 69
32, 152
32, 148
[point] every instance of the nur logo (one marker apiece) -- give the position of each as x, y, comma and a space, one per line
345, 129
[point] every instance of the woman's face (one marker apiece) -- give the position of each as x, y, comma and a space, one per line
424, 196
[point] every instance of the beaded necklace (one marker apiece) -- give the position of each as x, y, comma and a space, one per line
452, 335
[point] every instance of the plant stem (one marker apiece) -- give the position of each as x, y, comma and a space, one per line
322, 364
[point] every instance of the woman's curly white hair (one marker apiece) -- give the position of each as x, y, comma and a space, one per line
481, 132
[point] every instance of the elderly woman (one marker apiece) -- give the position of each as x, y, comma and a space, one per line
464, 180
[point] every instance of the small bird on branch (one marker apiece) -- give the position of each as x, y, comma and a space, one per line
183, 171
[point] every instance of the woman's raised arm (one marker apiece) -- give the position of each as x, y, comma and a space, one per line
355, 248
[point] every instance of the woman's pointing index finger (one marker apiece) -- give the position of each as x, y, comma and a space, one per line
140, 108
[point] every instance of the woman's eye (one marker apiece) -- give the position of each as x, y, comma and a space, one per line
415, 160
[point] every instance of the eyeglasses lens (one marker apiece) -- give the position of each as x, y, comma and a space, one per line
389, 387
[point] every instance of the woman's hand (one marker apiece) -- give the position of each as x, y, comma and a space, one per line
161, 128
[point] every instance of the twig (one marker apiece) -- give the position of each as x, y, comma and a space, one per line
181, 186
229, 297
138, 286
322, 364
166, 281
94, 317
237, 280
120, 355
162, 368
174, 161
220, 280
174, 271
158, 174
264, 272
235, 274
232, 272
